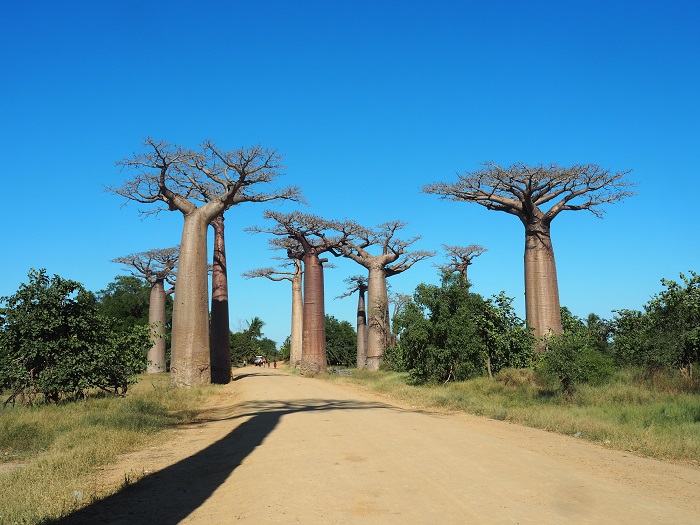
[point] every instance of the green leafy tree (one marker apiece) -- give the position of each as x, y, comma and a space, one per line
285, 349
508, 343
448, 333
248, 343
126, 300
341, 342
630, 328
54, 343
438, 335
667, 334
572, 359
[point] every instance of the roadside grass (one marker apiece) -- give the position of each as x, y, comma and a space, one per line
655, 417
59, 446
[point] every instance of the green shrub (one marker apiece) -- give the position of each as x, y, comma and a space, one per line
570, 360
53, 343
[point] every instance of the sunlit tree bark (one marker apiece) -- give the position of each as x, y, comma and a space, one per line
157, 267
175, 178
392, 260
312, 235
536, 195
295, 278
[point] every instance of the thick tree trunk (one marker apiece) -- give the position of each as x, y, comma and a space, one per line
541, 288
361, 330
296, 339
190, 363
313, 356
156, 318
219, 345
378, 317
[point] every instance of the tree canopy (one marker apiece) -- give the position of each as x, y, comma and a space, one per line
54, 343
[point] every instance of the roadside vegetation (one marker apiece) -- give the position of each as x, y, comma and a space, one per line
656, 416
49, 453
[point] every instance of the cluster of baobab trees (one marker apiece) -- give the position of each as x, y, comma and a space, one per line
203, 184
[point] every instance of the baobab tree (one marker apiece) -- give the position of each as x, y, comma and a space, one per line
201, 185
536, 195
392, 260
157, 267
460, 258
219, 343
312, 235
295, 277
358, 283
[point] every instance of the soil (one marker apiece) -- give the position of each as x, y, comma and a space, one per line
280, 448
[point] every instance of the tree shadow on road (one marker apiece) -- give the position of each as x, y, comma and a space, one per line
170, 495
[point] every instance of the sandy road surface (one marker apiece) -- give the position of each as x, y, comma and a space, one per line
323, 453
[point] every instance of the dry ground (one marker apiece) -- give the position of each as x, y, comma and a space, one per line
279, 448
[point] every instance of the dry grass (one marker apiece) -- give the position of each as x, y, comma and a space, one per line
655, 416
58, 447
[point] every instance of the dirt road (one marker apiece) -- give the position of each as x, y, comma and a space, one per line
284, 449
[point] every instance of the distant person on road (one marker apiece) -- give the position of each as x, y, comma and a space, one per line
275, 363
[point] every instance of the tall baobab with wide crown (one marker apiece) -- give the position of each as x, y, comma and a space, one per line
201, 185
295, 277
157, 267
358, 283
312, 235
460, 258
536, 195
393, 259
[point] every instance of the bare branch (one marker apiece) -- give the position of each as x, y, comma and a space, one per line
153, 265
460, 258
522, 190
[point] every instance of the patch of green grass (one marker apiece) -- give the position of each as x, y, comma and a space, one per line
60, 445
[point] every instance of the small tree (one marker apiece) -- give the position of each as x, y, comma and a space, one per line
393, 259
295, 278
54, 343
667, 334
157, 267
341, 342
358, 283
438, 332
126, 300
460, 258
536, 195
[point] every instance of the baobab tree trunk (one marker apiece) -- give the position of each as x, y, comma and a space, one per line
541, 288
156, 318
361, 330
219, 345
313, 355
296, 339
378, 318
190, 362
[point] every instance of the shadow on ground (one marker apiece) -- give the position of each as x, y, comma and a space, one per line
170, 495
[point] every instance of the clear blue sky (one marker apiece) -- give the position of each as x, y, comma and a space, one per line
368, 101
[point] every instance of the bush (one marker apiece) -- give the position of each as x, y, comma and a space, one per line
54, 343
571, 360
